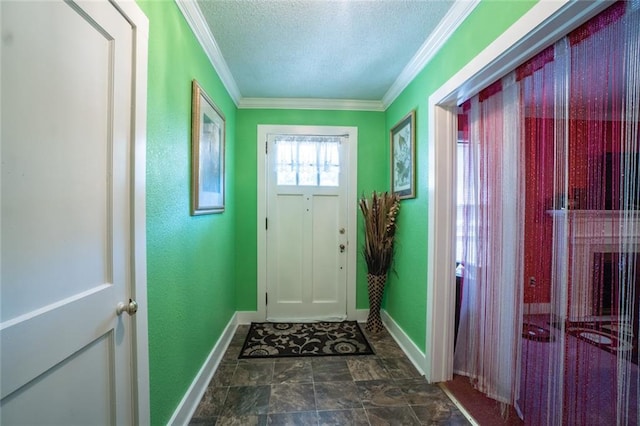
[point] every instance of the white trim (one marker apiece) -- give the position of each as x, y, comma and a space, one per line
247, 317
189, 403
440, 266
198, 24
308, 103
452, 20
543, 24
140, 24
415, 355
193, 15
458, 404
360, 315
352, 196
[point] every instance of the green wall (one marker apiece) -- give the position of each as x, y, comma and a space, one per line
406, 293
190, 260
373, 171
202, 269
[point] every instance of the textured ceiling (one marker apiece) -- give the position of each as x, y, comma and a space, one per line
327, 49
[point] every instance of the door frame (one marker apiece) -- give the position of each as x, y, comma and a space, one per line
352, 211
138, 218
543, 24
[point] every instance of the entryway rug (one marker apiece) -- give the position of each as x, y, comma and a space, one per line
269, 339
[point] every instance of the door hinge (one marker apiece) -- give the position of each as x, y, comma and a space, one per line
266, 147
266, 298
266, 223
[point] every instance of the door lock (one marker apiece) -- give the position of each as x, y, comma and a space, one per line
342, 247
131, 308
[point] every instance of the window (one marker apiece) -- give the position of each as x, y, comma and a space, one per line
308, 160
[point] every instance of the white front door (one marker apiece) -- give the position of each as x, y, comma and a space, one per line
67, 261
307, 238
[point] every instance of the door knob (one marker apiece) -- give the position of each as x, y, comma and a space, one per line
342, 247
131, 308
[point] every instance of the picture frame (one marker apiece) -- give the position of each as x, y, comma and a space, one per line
207, 154
403, 162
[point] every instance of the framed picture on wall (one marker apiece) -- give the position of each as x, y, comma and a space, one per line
207, 154
403, 163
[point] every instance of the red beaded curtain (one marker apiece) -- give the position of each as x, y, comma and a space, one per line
544, 165
563, 250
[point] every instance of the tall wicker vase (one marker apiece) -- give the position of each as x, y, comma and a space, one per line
376, 289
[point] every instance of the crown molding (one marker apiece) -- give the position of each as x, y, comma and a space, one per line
456, 15
310, 103
193, 15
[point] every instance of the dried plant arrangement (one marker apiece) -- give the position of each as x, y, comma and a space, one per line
380, 213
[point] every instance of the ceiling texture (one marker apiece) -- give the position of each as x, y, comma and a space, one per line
342, 54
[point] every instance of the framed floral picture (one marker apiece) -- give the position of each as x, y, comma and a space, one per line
207, 154
403, 164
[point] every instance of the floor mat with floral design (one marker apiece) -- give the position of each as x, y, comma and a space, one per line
269, 339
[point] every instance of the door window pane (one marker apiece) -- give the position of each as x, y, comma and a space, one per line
308, 160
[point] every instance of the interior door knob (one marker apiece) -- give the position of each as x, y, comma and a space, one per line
131, 308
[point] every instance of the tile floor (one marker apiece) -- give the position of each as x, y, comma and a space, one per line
380, 389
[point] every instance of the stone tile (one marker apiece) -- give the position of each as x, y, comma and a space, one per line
232, 352
400, 368
353, 417
439, 413
296, 371
246, 400
392, 416
367, 369
284, 391
380, 393
292, 397
259, 420
387, 348
293, 419
211, 403
418, 392
330, 370
251, 374
223, 375
292, 358
202, 422
258, 360
336, 395
376, 337
241, 333
457, 419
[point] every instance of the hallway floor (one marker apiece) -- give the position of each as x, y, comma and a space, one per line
380, 389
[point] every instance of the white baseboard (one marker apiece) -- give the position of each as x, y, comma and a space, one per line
247, 317
187, 407
414, 353
361, 315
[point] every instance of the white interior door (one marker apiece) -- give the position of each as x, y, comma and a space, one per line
66, 214
306, 228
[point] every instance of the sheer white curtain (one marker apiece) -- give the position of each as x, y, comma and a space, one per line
487, 349
308, 160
